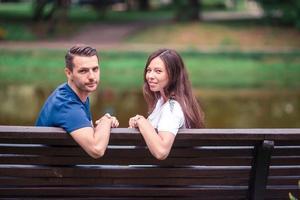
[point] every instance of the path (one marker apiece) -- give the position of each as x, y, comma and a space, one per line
107, 36
99, 35
104, 33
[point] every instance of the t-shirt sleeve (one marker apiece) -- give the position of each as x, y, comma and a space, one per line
172, 118
72, 117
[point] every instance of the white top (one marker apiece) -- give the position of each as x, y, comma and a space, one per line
167, 116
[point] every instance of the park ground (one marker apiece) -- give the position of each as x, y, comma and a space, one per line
219, 31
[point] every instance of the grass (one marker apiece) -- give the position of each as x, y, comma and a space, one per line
247, 35
123, 70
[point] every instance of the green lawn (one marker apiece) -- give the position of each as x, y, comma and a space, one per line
123, 70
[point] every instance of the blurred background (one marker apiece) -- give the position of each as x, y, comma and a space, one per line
243, 56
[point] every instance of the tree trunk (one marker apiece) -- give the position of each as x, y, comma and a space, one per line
187, 10
38, 9
143, 5
194, 6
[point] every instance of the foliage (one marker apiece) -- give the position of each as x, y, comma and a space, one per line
15, 31
2, 33
286, 12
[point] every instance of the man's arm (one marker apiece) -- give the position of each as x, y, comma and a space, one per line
95, 140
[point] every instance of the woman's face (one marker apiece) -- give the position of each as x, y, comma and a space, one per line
157, 75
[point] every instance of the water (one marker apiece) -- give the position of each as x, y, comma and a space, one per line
20, 105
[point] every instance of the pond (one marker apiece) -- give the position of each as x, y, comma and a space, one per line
230, 108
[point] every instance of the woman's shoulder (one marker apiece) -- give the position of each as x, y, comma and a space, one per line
173, 106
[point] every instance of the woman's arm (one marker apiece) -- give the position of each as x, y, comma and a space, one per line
159, 143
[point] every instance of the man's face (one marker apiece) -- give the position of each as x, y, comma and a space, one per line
85, 74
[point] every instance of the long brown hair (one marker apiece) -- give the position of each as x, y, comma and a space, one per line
178, 88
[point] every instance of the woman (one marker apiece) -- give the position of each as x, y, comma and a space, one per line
168, 93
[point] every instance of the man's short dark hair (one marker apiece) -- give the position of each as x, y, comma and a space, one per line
78, 50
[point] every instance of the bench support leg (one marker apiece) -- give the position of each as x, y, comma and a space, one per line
260, 170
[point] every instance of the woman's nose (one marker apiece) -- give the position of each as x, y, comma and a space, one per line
151, 74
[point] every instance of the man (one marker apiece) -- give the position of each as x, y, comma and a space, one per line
68, 106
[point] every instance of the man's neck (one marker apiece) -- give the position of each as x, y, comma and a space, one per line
82, 95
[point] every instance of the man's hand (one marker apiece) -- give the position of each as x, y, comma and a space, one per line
107, 118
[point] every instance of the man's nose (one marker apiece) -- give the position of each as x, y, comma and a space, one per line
91, 74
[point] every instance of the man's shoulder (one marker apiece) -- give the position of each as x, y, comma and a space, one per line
61, 98
63, 109
64, 94
63, 90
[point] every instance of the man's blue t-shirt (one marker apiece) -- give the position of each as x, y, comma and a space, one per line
64, 109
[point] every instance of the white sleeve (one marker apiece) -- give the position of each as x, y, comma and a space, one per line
172, 117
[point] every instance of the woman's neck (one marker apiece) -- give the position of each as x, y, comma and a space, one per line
163, 96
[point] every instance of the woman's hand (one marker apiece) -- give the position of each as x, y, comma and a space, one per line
133, 121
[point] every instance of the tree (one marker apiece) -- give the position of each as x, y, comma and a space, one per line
50, 20
59, 9
285, 12
187, 10
143, 5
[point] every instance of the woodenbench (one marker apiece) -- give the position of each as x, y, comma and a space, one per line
40, 162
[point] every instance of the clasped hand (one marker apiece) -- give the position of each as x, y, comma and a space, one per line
114, 121
133, 121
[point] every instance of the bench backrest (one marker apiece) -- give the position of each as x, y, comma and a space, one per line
235, 164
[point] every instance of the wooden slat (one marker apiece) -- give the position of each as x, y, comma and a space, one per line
134, 182
231, 197
292, 142
42, 150
282, 192
286, 151
283, 180
285, 160
124, 191
124, 172
43, 141
127, 142
43, 160
285, 170
126, 152
211, 134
